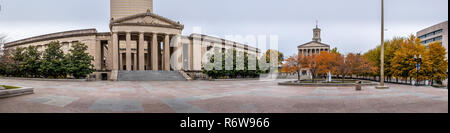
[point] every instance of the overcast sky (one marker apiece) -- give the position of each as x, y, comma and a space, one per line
349, 25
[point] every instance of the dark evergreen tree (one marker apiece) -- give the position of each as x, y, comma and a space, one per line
32, 62
53, 62
79, 62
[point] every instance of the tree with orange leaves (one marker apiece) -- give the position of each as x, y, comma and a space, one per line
296, 63
313, 63
326, 62
364, 66
292, 65
344, 65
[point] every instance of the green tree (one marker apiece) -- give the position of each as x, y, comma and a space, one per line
269, 58
16, 68
373, 56
53, 62
32, 61
217, 69
335, 51
79, 63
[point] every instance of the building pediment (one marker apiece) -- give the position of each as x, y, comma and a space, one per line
313, 44
147, 19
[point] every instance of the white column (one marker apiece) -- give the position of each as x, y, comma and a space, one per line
98, 55
128, 51
115, 51
154, 52
196, 54
115, 56
135, 63
167, 52
141, 52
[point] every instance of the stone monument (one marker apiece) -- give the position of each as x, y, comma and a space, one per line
329, 77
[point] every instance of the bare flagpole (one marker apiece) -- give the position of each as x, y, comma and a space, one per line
382, 86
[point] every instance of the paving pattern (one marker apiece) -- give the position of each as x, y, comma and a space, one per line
218, 97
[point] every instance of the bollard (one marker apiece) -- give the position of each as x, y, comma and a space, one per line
358, 85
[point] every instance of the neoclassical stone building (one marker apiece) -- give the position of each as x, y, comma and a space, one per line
140, 41
314, 47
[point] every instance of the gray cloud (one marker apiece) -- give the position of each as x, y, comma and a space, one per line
350, 25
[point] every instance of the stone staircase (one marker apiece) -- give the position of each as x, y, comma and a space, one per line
150, 76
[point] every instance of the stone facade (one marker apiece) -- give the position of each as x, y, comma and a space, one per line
124, 8
138, 42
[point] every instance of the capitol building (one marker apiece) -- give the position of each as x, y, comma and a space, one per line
139, 41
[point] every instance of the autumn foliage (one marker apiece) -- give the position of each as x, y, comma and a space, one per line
334, 62
400, 63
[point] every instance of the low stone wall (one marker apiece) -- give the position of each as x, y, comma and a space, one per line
16, 92
44, 79
290, 83
236, 79
197, 75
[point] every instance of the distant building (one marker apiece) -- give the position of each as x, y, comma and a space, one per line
438, 32
1, 48
314, 47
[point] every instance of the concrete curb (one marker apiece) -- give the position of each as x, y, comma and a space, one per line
16, 92
243, 79
44, 79
324, 85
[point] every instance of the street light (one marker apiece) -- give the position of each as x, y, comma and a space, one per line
418, 65
382, 50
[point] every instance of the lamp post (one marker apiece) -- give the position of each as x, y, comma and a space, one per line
418, 65
382, 86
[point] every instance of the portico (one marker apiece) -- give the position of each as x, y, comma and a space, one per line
142, 42
139, 51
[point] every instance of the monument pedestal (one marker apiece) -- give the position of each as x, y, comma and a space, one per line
114, 75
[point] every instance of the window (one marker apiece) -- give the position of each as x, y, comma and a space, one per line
304, 72
74, 42
431, 34
439, 38
209, 48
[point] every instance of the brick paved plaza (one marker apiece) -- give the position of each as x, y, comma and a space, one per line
218, 97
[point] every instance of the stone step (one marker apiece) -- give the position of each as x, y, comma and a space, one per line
150, 76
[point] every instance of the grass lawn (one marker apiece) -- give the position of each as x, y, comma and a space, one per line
9, 87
